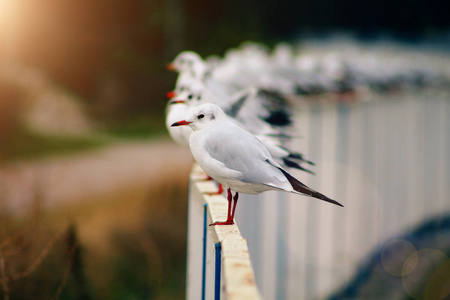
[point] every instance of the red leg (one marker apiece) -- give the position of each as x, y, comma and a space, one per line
236, 196
219, 192
229, 220
229, 204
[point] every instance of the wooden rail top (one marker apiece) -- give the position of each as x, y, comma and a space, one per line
238, 279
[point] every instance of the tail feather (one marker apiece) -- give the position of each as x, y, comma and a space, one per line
302, 188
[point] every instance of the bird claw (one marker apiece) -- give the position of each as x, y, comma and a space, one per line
222, 223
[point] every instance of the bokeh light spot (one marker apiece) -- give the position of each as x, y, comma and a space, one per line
430, 265
395, 251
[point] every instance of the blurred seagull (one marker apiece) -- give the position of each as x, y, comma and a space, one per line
263, 113
267, 106
176, 108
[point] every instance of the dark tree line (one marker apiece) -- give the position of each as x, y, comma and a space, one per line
113, 53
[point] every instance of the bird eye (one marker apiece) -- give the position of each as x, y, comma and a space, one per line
201, 116
190, 97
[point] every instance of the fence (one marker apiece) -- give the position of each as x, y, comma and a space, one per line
219, 265
384, 158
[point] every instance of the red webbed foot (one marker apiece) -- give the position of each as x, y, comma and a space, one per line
222, 223
230, 215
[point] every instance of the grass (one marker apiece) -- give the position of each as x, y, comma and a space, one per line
130, 244
26, 145
142, 127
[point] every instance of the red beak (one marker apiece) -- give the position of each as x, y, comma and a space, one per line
176, 101
171, 67
180, 123
170, 94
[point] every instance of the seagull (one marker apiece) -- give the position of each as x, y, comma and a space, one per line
236, 158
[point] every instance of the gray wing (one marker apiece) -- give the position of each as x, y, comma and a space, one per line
241, 151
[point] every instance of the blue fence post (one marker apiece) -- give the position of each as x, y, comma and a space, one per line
218, 271
205, 226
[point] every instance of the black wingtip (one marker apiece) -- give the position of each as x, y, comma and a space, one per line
277, 107
302, 188
335, 202
278, 118
320, 196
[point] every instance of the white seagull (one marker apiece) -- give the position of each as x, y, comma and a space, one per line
237, 159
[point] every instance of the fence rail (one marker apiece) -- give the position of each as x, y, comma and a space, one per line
219, 265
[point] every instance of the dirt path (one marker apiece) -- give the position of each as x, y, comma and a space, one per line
63, 180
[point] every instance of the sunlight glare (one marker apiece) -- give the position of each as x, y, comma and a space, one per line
8, 10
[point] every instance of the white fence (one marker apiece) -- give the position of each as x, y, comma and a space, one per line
385, 159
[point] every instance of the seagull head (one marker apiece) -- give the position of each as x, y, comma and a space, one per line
188, 61
185, 97
178, 97
194, 94
179, 92
202, 116
200, 94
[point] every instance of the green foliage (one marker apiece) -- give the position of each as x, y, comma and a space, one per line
26, 144
142, 127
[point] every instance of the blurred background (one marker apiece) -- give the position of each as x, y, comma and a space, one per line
92, 191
